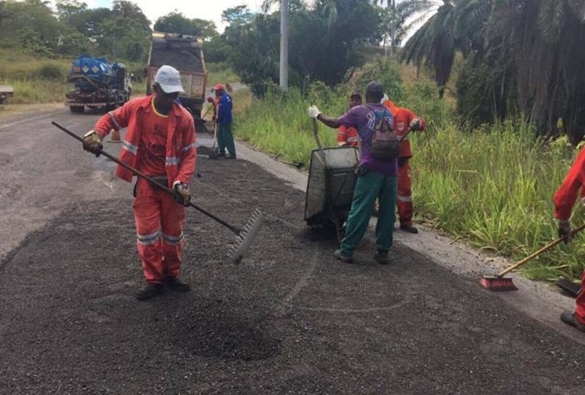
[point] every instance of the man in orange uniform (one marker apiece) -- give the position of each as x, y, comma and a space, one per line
160, 142
403, 120
564, 200
348, 136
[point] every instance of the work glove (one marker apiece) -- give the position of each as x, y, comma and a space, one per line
92, 142
181, 193
415, 124
314, 111
565, 231
384, 99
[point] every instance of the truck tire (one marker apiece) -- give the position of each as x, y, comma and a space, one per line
77, 109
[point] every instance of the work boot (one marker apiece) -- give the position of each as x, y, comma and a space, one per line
409, 228
150, 291
175, 284
569, 318
220, 155
231, 156
342, 257
382, 257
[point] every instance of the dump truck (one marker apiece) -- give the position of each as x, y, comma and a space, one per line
97, 84
185, 54
6, 91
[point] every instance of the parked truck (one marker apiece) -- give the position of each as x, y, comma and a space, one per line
97, 84
6, 91
184, 53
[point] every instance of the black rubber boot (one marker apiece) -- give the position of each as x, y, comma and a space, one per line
568, 317
150, 291
409, 229
382, 257
175, 284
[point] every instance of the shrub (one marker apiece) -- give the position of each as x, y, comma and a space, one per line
51, 71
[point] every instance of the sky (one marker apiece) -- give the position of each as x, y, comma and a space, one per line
201, 9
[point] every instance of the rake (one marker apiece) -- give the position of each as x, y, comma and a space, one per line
501, 283
244, 236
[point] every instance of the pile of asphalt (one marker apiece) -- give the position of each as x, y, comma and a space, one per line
288, 319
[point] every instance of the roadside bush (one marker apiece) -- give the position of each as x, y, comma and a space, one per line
51, 71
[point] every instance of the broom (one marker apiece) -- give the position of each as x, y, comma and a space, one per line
244, 236
501, 283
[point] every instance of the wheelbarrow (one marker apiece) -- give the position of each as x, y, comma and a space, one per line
330, 186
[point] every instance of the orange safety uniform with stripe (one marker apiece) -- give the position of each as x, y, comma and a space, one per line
160, 146
402, 119
347, 137
564, 200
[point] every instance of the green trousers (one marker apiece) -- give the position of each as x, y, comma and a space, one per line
369, 187
225, 139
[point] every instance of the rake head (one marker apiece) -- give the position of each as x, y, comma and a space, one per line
498, 284
246, 236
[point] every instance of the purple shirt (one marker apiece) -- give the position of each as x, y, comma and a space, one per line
364, 120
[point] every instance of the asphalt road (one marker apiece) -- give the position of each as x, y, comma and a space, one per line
288, 319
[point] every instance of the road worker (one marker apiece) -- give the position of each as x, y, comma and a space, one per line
564, 200
348, 136
376, 177
225, 138
403, 120
159, 142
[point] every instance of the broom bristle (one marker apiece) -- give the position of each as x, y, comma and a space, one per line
495, 283
246, 237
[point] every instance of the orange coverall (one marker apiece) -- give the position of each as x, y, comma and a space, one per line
161, 147
402, 119
564, 200
347, 137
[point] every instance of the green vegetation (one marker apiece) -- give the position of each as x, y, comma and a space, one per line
492, 186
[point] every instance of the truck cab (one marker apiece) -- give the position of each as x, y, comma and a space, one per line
185, 54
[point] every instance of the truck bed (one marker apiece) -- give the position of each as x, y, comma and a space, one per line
6, 91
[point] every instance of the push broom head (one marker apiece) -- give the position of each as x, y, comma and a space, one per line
496, 283
246, 236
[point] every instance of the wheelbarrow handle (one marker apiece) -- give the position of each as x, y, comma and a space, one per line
316, 135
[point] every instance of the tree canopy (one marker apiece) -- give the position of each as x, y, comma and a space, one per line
521, 57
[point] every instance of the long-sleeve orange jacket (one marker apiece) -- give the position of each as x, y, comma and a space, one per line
402, 119
181, 149
566, 196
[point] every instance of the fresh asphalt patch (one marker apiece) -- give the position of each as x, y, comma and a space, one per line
288, 319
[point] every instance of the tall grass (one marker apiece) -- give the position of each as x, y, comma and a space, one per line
492, 187
219, 73
279, 124
34, 80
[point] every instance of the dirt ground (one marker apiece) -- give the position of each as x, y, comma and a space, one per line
288, 319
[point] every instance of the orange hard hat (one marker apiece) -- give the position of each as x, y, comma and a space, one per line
219, 87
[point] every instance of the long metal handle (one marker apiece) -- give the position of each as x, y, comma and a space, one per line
150, 179
537, 253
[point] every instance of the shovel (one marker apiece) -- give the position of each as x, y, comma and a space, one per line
244, 236
214, 151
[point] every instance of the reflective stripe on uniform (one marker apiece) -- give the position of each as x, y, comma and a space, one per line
129, 147
404, 198
116, 124
352, 139
172, 161
172, 240
188, 147
148, 239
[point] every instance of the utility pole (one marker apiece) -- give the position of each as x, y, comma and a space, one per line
284, 44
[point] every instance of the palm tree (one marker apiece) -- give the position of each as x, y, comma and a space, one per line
435, 44
397, 19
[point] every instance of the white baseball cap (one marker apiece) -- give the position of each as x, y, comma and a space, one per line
169, 79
